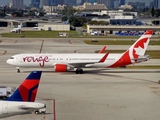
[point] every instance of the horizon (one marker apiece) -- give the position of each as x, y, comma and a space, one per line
27, 2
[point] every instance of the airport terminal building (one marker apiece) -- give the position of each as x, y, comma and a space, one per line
112, 29
41, 24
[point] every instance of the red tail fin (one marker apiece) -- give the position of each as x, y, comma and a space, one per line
28, 89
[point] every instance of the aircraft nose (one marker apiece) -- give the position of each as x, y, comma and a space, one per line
44, 105
9, 61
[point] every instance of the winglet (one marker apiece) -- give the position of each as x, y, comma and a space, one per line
28, 89
104, 57
102, 50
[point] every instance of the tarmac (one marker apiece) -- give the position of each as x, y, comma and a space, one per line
98, 94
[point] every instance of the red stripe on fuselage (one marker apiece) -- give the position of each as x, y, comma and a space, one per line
124, 60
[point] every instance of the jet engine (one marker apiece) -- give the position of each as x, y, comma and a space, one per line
62, 67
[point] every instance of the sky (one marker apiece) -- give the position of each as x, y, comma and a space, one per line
27, 2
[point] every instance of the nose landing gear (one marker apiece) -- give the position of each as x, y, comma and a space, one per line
18, 70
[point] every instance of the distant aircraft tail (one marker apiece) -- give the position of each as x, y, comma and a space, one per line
28, 89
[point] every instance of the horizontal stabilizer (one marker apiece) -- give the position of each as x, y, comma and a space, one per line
141, 58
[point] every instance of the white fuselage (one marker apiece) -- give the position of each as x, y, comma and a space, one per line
10, 108
49, 60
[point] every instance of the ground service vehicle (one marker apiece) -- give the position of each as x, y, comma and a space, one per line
40, 111
6, 91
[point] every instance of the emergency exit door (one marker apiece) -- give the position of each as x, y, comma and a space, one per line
5, 108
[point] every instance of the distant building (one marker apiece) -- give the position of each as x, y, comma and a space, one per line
70, 2
116, 4
137, 5
83, 1
52, 2
114, 14
50, 9
91, 1
111, 4
60, 2
156, 3
151, 4
106, 2
43, 3
35, 3
17, 4
126, 6
54, 26
89, 6
122, 2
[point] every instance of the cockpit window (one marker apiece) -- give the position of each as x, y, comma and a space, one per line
11, 57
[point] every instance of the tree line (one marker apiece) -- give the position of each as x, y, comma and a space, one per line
155, 12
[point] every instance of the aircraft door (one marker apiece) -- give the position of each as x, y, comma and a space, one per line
19, 59
5, 108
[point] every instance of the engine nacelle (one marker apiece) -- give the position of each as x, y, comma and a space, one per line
62, 68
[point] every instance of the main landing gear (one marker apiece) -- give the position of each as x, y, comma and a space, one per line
18, 70
79, 71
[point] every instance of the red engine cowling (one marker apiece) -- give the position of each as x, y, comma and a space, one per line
60, 68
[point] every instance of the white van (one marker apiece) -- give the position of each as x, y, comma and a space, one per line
40, 111
15, 30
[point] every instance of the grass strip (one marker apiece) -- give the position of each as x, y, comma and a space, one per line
39, 34
117, 42
70, 34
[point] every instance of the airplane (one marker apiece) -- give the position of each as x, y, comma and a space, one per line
22, 101
66, 62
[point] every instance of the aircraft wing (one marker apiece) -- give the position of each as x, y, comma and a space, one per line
27, 108
32, 107
80, 64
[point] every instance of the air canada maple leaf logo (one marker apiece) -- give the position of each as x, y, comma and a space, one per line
140, 47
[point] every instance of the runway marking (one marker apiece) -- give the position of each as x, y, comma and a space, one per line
46, 99
97, 79
8, 41
41, 46
15, 41
4, 52
154, 87
70, 41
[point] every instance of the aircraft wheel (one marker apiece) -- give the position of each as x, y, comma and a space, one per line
79, 71
36, 112
18, 71
43, 113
